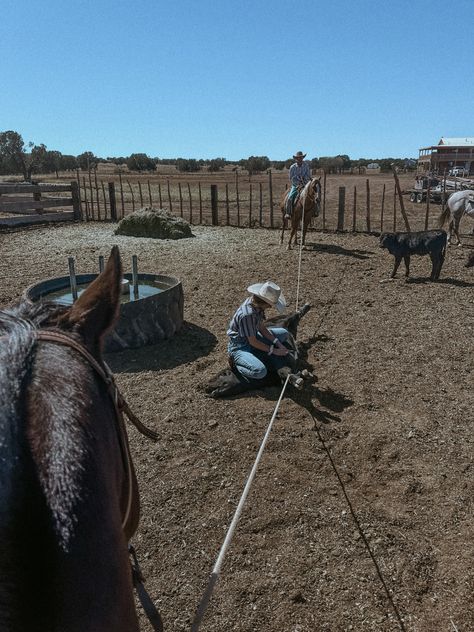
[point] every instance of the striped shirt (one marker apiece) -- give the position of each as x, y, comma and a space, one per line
245, 322
299, 175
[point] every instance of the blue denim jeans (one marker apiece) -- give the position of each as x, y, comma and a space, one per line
252, 363
290, 200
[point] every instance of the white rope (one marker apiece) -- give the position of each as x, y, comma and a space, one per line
230, 532
299, 258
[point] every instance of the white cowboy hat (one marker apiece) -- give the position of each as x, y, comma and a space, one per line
299, 154
270, 293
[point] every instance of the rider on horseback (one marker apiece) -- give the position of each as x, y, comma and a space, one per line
300, 175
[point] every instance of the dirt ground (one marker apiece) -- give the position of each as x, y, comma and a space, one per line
367, 475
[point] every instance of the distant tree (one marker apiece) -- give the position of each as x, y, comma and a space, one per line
51, 162
255, 164
279, 165
187, 165
122, 160
216, 164
314, 163
68, 163
346, 162
86, 161
140, 162
17, 157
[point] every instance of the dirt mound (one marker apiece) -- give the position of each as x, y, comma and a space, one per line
154, 222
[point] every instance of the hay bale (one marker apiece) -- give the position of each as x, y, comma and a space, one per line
154, 222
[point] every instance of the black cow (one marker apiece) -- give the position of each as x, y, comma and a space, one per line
424, 242
229, 381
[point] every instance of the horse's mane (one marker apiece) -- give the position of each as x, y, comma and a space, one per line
46, 450
305, 191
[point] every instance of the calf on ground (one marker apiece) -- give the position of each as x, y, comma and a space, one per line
425, 242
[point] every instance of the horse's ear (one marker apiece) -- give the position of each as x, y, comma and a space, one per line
96, 310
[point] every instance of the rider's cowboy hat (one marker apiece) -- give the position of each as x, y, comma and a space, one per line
270, 293
299, 154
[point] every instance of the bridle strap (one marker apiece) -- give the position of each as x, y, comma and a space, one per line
121, 408
120, 405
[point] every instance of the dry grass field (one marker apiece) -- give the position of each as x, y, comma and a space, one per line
368, 473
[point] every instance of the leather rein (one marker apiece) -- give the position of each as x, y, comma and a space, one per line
121, 408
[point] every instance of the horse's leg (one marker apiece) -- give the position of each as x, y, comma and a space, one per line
457, 221
283, 228
293, 232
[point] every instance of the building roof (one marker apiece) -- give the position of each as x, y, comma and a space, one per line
457, 142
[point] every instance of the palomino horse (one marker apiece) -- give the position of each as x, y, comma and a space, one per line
68, 493
308, 203
458, 203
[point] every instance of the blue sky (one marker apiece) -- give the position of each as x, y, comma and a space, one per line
203, 79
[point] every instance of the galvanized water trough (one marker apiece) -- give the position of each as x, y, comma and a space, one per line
153, 312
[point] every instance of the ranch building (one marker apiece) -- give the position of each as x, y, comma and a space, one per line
447, 154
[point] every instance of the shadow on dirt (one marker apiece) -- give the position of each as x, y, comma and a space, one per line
333, 249
190, 343
330, 401
443, 281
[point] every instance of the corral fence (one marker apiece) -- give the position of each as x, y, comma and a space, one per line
28, 204
367, 206
357, 204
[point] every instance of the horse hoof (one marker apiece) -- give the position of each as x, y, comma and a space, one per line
306, 375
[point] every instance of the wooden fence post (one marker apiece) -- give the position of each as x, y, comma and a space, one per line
427, 214
341, 208
381, 210
400, 198
260, 208
368, 204
180, 199
354, 211
84, 187
105, 199
149, 194
250, 205
394, 210
76, 201
92, 194
200, 203
97, 194
227, 208
159, 195
214, 206
133, 197
113, 202
190, 205
324, 201
140, 193
270, 187
121, 195
237, 198
169, 196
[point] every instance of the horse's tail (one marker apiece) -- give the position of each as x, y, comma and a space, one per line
443, 218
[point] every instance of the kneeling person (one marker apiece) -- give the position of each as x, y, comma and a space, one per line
251, 345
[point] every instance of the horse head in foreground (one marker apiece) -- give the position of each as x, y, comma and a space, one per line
68, 492
307, 206
229, 382
458, 204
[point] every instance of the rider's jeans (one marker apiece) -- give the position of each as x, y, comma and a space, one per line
250, 362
